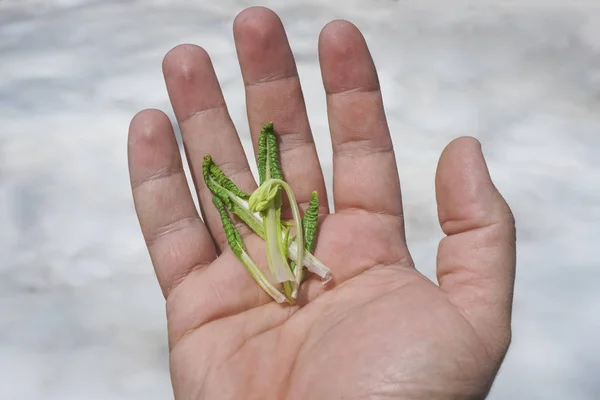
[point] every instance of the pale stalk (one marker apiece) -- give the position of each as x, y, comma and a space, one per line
298, 272
260, 278
255, 221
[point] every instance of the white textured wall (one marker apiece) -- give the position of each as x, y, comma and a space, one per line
81, 316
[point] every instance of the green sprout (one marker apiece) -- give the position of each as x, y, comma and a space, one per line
310, 221
261, 211
266, 199
269, 194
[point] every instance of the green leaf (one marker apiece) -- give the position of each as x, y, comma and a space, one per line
273, 166
218, 175
233, 237
213, 183
234, 198
310, 220
268, 154
207, 162
262, 153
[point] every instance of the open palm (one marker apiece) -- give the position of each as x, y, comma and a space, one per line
380, 329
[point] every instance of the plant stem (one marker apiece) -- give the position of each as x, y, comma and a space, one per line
236, 244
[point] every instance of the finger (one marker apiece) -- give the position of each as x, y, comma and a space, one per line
273, 93
365, 175
206, 127
476, 260
177, 239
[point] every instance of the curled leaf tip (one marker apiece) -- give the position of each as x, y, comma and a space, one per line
268, 126
206, 164
261, 197
233, 237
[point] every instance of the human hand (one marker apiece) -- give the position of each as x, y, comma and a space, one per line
380, 329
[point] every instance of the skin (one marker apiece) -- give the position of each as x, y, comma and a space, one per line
380, 330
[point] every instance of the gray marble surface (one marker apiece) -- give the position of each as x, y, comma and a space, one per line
81, 316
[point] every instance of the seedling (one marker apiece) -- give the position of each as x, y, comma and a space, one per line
287, 254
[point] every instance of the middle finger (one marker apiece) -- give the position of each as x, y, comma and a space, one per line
273, 93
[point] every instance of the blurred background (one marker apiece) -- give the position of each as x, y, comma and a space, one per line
81, 316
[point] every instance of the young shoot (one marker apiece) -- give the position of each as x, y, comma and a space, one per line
239, 206
269, 196
262, 200
261, 211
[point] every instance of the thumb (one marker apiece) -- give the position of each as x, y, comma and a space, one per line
476, 259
